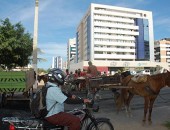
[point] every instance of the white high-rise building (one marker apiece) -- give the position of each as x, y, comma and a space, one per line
71, 50
57, 62
111, 37
115, 33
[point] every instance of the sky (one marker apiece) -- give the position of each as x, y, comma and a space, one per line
58, 20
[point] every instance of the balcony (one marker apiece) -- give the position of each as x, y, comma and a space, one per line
114, 56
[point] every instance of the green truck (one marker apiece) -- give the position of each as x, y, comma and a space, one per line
14, 83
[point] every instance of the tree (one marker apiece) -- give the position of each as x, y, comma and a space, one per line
42, 70
15, 45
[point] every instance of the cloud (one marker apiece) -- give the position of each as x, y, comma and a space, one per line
26, 14
29, 11
61, 15
54, 49
162, 21
51, 50
52, 14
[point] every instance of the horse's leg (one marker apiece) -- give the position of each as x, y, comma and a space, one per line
122, 100
145, 108
152, 100
125, 95
128, 103
125, 98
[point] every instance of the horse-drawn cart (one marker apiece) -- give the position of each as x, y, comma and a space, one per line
15, 83
112, 81
97, 84
93, 85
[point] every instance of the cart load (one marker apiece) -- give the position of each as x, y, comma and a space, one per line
16, 81
16, 85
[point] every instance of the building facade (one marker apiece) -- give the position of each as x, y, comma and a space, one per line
115, 34
57, 62
162, 51
71, 51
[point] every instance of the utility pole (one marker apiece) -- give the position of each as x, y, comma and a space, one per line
35, 39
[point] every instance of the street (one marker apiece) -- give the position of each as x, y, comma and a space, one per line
160, 114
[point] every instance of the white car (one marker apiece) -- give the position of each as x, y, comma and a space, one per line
146, 71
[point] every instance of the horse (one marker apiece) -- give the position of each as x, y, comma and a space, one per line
149, 90
43, 77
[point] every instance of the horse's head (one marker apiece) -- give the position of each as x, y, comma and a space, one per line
125, 74
39, 78
126, 80
167, 79
43, 77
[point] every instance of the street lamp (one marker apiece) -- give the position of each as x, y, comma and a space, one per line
35, 39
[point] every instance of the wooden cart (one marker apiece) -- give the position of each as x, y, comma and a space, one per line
112, 83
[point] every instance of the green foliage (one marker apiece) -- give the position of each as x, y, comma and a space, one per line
1, 69
15, 45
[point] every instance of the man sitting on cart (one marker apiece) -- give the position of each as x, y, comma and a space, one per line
91, 70
91, 73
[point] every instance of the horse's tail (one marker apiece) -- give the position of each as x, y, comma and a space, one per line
121, 100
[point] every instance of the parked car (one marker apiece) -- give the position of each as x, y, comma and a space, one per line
146, 71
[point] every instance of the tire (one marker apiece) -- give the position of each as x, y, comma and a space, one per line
84, 124
102, 125
54, 128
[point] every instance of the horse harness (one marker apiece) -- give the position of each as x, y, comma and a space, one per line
144, 79
150, 90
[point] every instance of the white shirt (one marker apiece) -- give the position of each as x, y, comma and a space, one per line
54, 94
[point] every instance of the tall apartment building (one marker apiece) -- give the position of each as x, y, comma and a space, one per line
64, 65
112, 33
111, 37
162, 51
71, 50
57, 62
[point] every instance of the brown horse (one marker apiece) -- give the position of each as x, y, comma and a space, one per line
43, 77
149, 90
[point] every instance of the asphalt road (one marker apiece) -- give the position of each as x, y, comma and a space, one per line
160, 114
